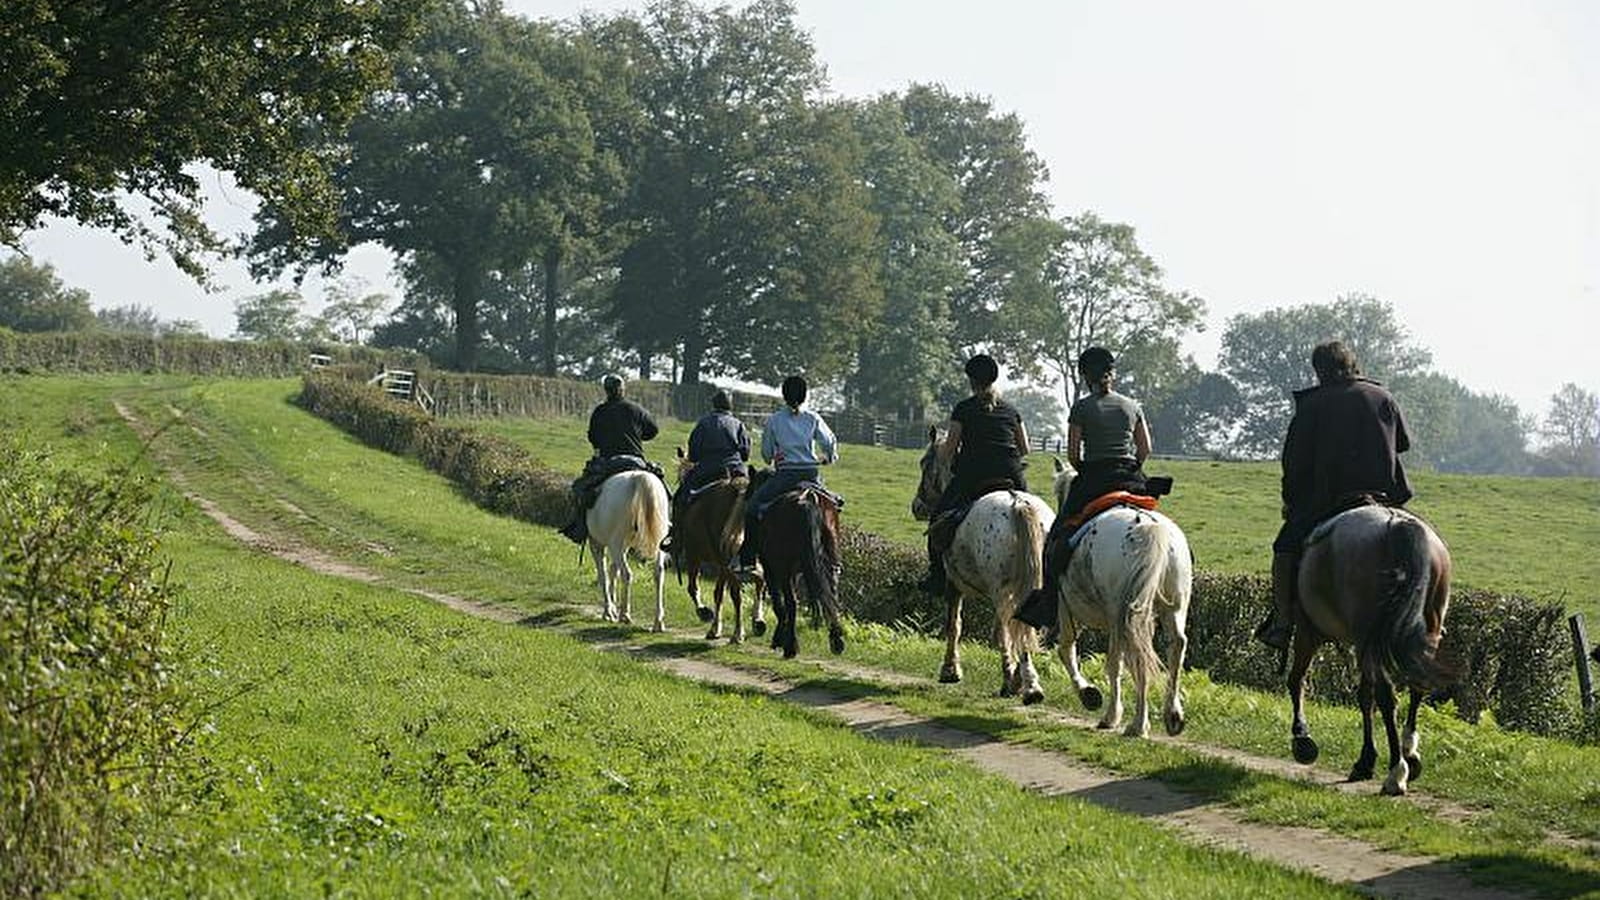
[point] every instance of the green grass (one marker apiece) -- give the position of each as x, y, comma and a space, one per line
256, 449
374, 743
1532, 536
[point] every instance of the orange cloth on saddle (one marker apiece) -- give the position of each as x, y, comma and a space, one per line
1105, 501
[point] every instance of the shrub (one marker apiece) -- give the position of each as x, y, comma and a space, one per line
88, 716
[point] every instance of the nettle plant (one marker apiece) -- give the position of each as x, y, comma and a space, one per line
90, 719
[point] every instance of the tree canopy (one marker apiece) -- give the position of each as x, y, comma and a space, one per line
32, 298
105, 105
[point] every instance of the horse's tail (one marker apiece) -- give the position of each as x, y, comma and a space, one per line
818, 554
1028, 562
1400, 641
650, 516
731, 530
1133, 635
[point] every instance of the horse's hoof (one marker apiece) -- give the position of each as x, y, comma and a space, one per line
1175, 723
1103, 725
659, 628
1091, 698
1393, 787
625, 619
1006, 691
713, 634
1360, 772
1137, 730
759, 626
949, 675
1029, 698
836, 643
791, 651
1414, 767
736, 639
704, 612
1305, 749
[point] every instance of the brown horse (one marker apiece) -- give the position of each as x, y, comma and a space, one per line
800, 543
1376, 578
706, 535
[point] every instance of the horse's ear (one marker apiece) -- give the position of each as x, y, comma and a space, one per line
933, 434
1060, 466
680, 453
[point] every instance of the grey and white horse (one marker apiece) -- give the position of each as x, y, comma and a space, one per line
997, 553
1131, 568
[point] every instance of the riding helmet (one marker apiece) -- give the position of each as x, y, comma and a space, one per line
721, 400
613, 384
982, 369
794, 390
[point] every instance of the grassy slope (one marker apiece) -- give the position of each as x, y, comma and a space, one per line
386, 745
1533, 536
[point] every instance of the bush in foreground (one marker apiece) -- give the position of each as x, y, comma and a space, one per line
89, 719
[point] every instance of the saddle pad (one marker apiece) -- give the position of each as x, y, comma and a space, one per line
812, 487
694, 494
1106, 501
1103, 504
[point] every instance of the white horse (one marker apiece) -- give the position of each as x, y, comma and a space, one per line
1131, 566
997, 553
631, 513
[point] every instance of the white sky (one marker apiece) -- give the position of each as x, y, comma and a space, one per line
1442, 156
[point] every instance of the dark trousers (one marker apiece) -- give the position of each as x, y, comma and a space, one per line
779, 483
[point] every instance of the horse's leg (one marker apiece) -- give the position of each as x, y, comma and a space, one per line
1113, 714
732, 585
1067, 649
623, 573
1409, 741
713, 613
1399, 773
1022, 636
602, 580
701, 612
661, 589
1009, 681
758, 623
791, 618
1365, 697
950, 672
1139, 725
1175, 622
1305, 647
775, 595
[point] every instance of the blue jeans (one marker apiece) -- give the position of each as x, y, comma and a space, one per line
781, 482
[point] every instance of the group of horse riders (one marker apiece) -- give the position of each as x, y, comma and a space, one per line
1342, 448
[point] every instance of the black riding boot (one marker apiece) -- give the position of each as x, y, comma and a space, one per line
934, 582
749, 550
577, 530
1278, 628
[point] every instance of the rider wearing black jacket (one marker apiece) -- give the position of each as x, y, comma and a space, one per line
618, 428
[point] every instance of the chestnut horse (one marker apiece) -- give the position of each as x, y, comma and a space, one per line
1376, 578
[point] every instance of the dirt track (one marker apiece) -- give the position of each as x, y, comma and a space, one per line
1333, 857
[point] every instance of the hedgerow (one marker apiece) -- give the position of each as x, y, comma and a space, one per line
89, 352
89, 718
1511, 650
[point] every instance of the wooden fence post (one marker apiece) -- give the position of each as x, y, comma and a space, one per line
1580, 649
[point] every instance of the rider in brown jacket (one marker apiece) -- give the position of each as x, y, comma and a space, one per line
1344, 443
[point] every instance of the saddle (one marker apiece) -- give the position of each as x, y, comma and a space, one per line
728, 477
1069, 531
1343, 505
600, 468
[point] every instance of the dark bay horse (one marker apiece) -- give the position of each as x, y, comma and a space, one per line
1378, 579
705, 538
800, 546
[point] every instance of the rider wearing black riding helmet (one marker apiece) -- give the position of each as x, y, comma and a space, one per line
1108, 441
797, 443
987, 441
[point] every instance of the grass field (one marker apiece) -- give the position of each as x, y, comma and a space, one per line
1532, 536
377, 706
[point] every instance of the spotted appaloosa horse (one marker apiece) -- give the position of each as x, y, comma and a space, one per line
996, 553
800, 547
1378, 579
705, 538
630, 514
1131, 567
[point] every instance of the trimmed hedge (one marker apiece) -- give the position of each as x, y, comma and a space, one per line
495, 473
1512, 651
91, 352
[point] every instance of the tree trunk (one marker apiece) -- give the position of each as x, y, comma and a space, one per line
468, 288
552, 287
694, 349
646, 364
